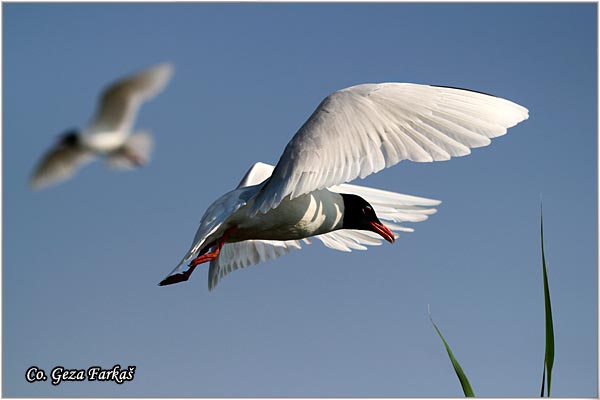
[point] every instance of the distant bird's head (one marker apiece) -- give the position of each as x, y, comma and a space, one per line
359, 214
70, 137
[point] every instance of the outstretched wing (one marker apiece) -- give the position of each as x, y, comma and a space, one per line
58, 164
362, 129
120, 102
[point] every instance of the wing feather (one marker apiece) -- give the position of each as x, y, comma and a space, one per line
58, 164
244, 254
120, 102
360, 130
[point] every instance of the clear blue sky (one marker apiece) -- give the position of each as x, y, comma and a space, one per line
81, 261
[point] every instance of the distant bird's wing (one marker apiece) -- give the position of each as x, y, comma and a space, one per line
389, 206
58, 164
120, 102
360, 130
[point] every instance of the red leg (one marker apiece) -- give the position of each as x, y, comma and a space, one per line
202, 258
208, 256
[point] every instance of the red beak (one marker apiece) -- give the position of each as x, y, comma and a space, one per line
384, 231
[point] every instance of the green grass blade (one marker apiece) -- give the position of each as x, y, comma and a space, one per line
543, 379
549, 355
464, 382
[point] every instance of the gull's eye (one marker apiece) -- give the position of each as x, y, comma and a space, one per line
367, 210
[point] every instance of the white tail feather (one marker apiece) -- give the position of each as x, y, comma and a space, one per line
134, 153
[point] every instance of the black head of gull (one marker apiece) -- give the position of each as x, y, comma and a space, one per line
359, 214
70, 138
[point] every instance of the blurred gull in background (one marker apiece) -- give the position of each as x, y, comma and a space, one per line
109, 133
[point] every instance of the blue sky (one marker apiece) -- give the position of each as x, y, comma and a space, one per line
81, 260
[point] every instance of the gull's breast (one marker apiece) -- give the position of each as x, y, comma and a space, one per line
305, 216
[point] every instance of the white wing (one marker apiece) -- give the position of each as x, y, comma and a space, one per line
258, 173
58, 164
360, 130
389, 206
243, 254
120, 102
